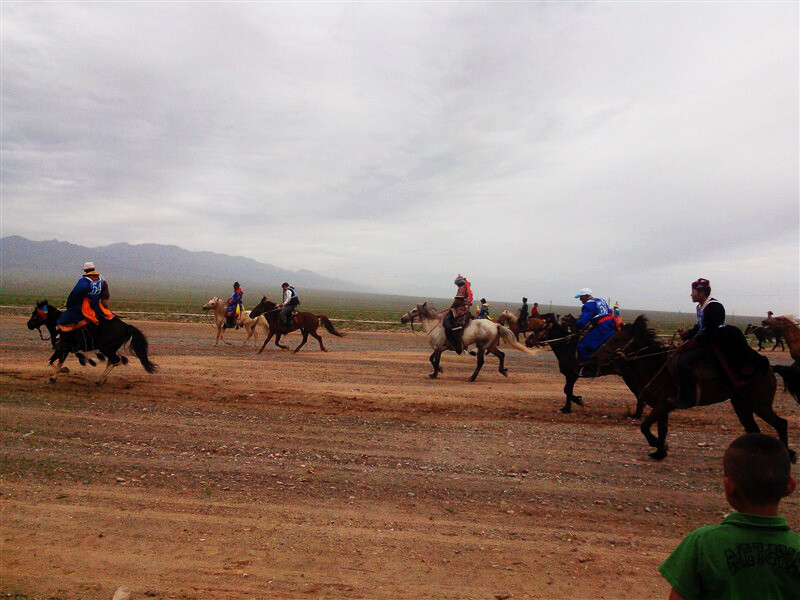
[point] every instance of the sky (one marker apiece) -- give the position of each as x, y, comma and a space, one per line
537, 148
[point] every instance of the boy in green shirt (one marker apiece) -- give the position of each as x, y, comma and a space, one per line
752, 554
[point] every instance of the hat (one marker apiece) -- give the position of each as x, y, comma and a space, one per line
584, 292
701, 283
88, 267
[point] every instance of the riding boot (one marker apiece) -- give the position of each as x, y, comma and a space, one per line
456, 340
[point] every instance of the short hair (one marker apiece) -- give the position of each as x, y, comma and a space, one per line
284, 284
759, 465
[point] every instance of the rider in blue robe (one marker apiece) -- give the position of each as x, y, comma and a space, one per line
235, 306
597, 314
89, 289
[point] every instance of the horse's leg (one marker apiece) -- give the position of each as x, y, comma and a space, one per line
479, 364
763, 409
109, 367
302, 343
502, 356
266, 341
318, 337
434, 358
568, 387
660, 415
61, 356
278, 343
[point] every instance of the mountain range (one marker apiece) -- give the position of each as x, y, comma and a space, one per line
22, 259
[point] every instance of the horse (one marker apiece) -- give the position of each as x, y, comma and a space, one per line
250, 324
636, 354
485, 334
107, 337
219, 307
790, 329
562, 337
44, 315
306, 322
765, 334
507, 319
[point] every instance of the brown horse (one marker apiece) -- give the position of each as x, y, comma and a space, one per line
790, 329
306, 322
636, 354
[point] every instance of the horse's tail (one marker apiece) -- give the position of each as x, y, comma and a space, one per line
791, 379
326, 323
139, 347
509, 338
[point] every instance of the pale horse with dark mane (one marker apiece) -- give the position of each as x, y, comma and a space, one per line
485, 334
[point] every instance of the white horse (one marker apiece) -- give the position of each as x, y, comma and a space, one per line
485, 334
250, 324
218, 306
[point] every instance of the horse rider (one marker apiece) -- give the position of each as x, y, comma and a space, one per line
535, 310
290, 300
235, 306
87, 302
711, 336
483, 310
522, 321
456, 317
617, 318
595, 313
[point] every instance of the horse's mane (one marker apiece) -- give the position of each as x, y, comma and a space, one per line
268, 304
644, 333
785, 321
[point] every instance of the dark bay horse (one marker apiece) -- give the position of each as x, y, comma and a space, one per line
306, 322
763, 334
562, 337
637, 354
107, 337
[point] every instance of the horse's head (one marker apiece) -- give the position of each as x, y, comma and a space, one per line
39, 315
419, 312
631, 338
504, 317
213, 303
749, 328
262, 307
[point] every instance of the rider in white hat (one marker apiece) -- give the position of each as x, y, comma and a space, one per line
596, 313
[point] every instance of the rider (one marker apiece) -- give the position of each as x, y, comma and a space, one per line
87, 302
522, 321
596, 313
535, 310
617, 318
712, 336
483, 310
456, 317
290, 300
235, 306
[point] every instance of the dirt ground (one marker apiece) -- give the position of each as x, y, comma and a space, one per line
346, 474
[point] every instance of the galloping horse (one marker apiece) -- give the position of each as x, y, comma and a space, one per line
218, 306
790, 329
508, 319
306, 322
45, 315
483, 333
108, 338
765, 334
563, 340
641, 358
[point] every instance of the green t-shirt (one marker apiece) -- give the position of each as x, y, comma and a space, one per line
745, 557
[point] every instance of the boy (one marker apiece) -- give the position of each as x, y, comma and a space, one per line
752, 554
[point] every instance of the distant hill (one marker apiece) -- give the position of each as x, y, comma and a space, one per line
23, 260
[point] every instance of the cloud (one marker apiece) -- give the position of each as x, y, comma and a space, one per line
538, 147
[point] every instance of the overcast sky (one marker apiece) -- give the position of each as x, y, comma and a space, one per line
537, 148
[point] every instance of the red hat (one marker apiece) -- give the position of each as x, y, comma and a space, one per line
701, 283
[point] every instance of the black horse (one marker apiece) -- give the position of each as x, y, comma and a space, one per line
643, 361
765, 333
44, 315
107, 337
562, 337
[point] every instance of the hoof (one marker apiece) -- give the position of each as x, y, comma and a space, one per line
659, 454
578, 400
91, 362
64, 370
51, 380
504, 372
472, 379
432, 375
565, 409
